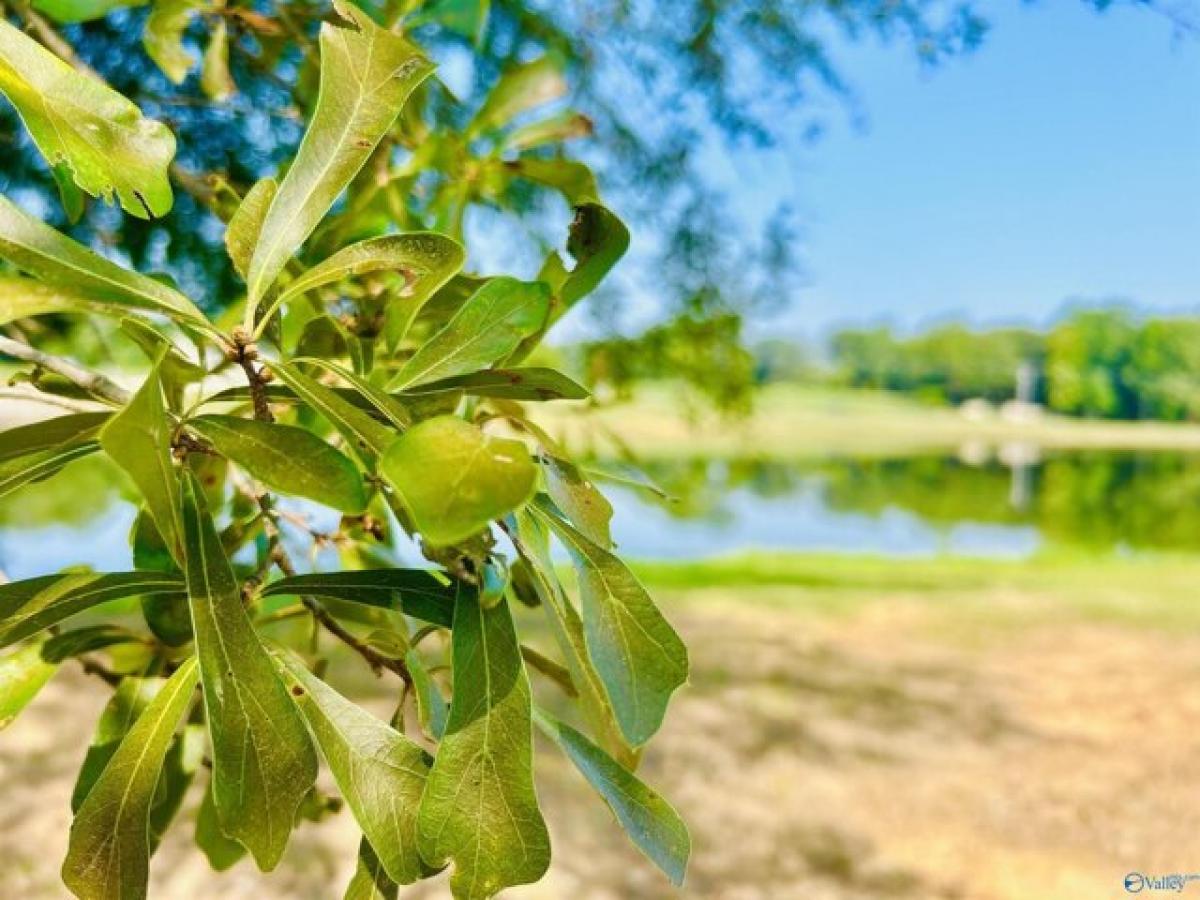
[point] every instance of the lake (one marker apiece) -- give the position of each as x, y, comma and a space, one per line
973, 503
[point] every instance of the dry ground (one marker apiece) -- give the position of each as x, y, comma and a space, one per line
977, 743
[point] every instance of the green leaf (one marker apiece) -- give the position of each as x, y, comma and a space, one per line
598, 239
370, 881
109, 853
22, 298
584, 506
19, 471
636, 652
488, 327
480, 809
127, 703
245, 226
184, 758
572, 179
222, 852
68, 12
287, 459
431, 705
510, 384
376, 398
215, 79
465, 17
367, 437
414, 592
49, 433
379, 771
563, 126
426, 259
38, 250
138, 439
163, 37
521, 88
367, 74
263, 760
81, 122
653, 826
22, 674
453, 479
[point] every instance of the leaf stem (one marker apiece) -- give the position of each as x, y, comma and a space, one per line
93, 382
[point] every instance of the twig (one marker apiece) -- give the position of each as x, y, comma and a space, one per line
93, 382
105, 674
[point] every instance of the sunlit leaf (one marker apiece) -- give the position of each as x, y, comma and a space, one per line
127, 703
37, 249
521, 88
379, 771
109, 853
564, 126
215, 78
138, 439
381, 401
23, 673
21, 470
367, 74
163, 37
431, 705
488, 327
480, 810
22, 298
367, 437
636, 652
653, 826
77, 120
244, 228
572, 179
68, 12
414, 592
263, 760
426, 259
580, 501
287, 459
511, 384
453, 479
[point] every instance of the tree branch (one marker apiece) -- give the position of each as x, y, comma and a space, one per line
93, 382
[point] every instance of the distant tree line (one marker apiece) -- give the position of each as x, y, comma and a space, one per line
1100, 362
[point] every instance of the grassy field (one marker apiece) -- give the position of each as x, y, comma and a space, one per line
791, 421
854, 728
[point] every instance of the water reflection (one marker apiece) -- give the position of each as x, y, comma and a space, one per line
977, 502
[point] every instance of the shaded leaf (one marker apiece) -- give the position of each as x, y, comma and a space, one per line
81, 122
370, 880
453, 479
488, 327
379, 771
367, 74
222, 852
653, 826
555, 129
138, 439
583, 505
414, 592
127, 703
480, 810
49, 433
21, 470
636, 652
375, 398
465, 17
22, 674
37, 249
287, 459
22, 298
532, 383
263, 760
431, 705
520, 88
109, 854
34, 604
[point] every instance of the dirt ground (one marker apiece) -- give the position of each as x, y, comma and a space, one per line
874, 754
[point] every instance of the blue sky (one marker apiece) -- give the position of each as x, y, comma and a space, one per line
1060, 161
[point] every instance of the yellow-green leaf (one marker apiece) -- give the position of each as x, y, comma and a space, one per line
480, 810
287, 459
22, 674
453, 479
379, 771
245, 227
109, 853
38, 250
69, 12
215, 78
521, 88
263, 759
488, 327
138, 439
367, 74
414, 592
163, 37
80, 121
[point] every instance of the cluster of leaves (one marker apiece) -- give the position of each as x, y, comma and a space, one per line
369, 375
